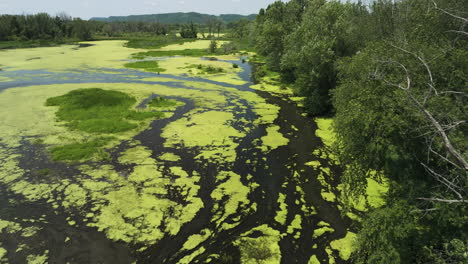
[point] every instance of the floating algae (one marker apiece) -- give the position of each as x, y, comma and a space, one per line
199, 44
313, 260
102, 54
282, 214
263, 249
148, 193
237, 194
209, 130
273, 139
344, 245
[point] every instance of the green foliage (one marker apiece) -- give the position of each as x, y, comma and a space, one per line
189, 31
98, 111
175, 18
388, 236
213, 46
207, 69
354, 60
80, 151
152, 66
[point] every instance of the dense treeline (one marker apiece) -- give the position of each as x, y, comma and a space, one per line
394, 74
44, 26
176, 18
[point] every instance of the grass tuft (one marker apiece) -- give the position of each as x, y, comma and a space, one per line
152, 66
161, 102
98, 111
79, 151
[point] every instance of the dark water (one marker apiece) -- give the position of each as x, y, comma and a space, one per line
87, 245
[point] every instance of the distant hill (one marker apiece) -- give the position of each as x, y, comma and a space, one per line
174, 18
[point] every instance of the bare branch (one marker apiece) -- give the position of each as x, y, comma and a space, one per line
458, 32
450, 14
442, 200
444, 181
447, 143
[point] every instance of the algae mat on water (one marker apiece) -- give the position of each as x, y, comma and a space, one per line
215, 180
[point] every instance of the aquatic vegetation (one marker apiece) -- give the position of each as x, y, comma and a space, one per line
80, 151
325, 131
345, 245
324, 227
282, 214
198, 44
273, 139
236, 193
150, 190
169, 157
263, 249
295, 224
151, 66
161, 102
102, 54
98, 111
210, 130
194, 240
313, 260
201, 69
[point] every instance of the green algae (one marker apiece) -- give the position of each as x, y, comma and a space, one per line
237, 194
188, 259
111, 194
169, 157
322, 230
102, 54
313, 260
210, 130
282, 214
3, 253
263, 249
30, 231
199, 44
295, 224
9, 227
345, 245
38, 259
325, 131
273, 139
331, 258
195, 240
314, 164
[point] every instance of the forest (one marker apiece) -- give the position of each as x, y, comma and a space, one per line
394, 76
256, 136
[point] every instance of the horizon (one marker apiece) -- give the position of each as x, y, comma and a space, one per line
87, 9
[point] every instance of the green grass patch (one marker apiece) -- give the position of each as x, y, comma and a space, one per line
98, 111
161, 102
81, 151
152, 66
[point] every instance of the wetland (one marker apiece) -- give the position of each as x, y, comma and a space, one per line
112, 154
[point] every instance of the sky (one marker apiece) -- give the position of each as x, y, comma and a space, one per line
104, 8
